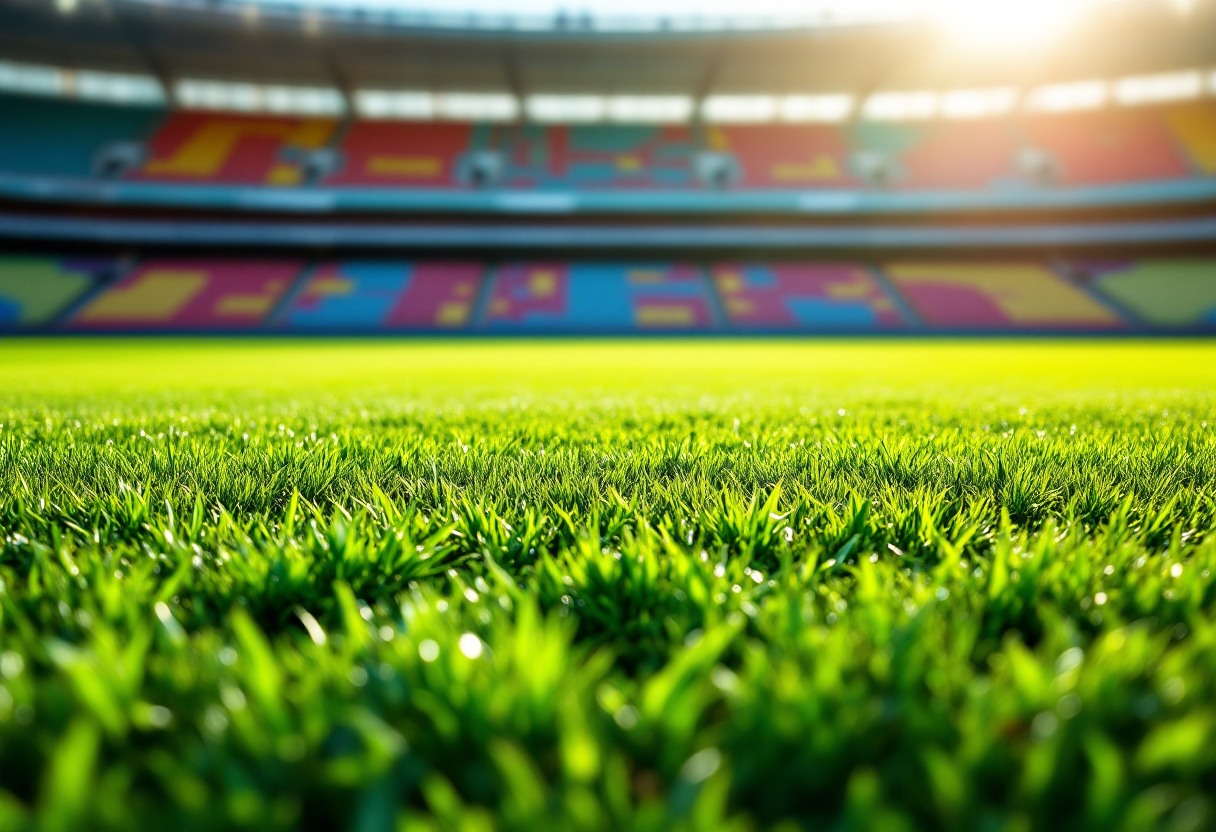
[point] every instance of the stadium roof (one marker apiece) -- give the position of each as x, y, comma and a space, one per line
362, 49
623, 16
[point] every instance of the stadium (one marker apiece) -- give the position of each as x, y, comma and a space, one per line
663, 416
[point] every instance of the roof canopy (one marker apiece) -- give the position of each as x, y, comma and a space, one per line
360, 49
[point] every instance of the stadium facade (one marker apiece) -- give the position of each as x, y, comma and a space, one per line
241, 168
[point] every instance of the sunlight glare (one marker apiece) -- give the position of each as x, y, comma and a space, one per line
1010, 23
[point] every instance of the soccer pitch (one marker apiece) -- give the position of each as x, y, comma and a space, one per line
651, 585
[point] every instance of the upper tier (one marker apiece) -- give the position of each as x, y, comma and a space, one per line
73, 152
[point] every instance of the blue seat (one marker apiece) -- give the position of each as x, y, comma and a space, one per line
60, 138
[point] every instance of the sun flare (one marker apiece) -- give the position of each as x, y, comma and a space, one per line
1011, 23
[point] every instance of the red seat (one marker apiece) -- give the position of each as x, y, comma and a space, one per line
967, 155
1107, 148
785, 155
390, 153
233, 149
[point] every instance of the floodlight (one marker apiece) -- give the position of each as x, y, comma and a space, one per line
32, 79
829, 108
1060, 98
305, 101
739, 109
1154, 89
900, 106
199, 94
419, 106
565, 108
476, 106
650, 108
983, 103
118, 87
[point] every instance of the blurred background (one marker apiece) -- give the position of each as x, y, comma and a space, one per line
483, 166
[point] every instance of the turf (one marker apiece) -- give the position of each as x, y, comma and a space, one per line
649, 585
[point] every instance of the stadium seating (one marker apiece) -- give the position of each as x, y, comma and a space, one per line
39, 293
401, 154
48, 137
967, 155
997, 295
1194, 127
190, 296
234, 149
1160, 293
382, 296
589, 156
1107, 148
784, 156
619, 156
34, 291
1147, 145
586, 297
806, 296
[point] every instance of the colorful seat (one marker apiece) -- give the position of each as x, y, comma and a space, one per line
1161, 293
981, 296
1194, 126
1107, 148
234, 149
804, 296
622, 156
590, 157
524, 149
966, 155
62, 138
587, 297
785, 156
375, 296
34, 291
403, 154
189, 295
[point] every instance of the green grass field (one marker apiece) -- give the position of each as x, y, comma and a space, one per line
653, 585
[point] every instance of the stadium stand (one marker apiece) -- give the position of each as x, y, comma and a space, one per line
598, 297
1169, 294
34, 291
234, 149
604, 156
997, 296
784, 156
41, 293
48, 137
401, 154
189, 295
622, 156
1194, 127
1107, 148
804, 296
1081, 197
1161, 147
975, 155
513, 155
384, 296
